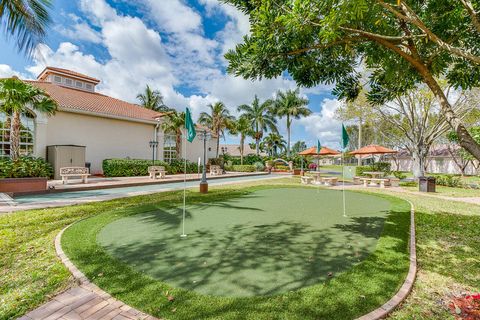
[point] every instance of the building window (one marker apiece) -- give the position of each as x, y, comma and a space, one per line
27, 134
169, 148
68, 82
78, 84
88, 86
57, 79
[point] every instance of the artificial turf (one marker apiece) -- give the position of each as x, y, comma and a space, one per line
263, 243
348, 294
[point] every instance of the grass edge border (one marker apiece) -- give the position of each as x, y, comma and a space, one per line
378, 313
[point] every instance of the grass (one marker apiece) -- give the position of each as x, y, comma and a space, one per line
447, 251
449, 191
349, 294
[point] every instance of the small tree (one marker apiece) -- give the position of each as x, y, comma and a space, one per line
243, 128
173, 123
16, 98
218, 120
299, 146
290, 105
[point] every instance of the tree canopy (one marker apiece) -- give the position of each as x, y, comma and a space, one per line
403, 43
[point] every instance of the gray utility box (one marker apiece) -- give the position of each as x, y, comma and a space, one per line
426, 184
61, 156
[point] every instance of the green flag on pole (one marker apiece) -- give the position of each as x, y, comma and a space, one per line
345, 137
319, 146
190, 126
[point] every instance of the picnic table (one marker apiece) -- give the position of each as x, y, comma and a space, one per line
375, 174
316, 176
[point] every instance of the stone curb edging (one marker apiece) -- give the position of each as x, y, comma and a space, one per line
406, 288
83, 282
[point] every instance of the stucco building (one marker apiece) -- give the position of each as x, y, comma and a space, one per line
107, 127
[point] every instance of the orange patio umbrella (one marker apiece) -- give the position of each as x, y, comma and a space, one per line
372, 149
323, 152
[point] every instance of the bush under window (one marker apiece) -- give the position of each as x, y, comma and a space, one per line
25, 167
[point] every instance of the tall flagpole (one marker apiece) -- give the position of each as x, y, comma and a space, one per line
343, 184
183, 235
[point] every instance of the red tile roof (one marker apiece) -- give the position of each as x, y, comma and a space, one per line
68, 72
70, 99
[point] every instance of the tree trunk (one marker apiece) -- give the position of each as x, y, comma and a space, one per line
419, 158
288, 135
359, 139
257, 146
464, 137
15, 136
178, 143
242, 141
218, 143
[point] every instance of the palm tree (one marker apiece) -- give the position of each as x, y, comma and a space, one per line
218, 120
153, 100
273, 142
242, 127
16, 98
173, 124
261, 119
290, 105
25, 20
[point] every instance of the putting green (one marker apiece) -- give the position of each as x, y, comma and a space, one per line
263, 243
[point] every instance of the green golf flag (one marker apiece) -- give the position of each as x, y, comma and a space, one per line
190, 126
345, 137
319, 146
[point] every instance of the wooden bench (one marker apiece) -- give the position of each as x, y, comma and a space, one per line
154, 171
215, 170
67, 172
329, 181
306, 179
374, 182
356, 180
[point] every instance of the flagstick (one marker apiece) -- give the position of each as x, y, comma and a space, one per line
343, 185
183, 235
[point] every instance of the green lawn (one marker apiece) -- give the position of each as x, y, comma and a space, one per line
447, 237
449, 192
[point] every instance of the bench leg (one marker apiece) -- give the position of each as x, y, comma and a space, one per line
365, 183
382, 184
65, 180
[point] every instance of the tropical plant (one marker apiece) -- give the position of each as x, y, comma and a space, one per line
173, 124
299, 146
290, 105
242, 127
274, 142
26, 21
402, 43
218, 120
16, 98
261, 119
153, 100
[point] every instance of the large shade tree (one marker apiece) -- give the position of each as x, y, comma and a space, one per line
153, 100
242, 127
217, 120
26, 21
403, 42
173, 123
291, 105
261, 119
17, 98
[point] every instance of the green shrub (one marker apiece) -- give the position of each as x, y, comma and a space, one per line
399, 175
282, 167
448, 180
242, 168
408, 184
139, 167
25, 167
378, 166
359, 170
259, 166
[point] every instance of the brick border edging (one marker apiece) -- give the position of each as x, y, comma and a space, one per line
83, 281
383, 311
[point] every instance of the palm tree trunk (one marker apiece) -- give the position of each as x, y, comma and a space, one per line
15, 136
218, 143
178, 143
288, 135
359, 138
257, 139
242, 141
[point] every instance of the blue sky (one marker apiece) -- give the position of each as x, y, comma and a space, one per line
175, 46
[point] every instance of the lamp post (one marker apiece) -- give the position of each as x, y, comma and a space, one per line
204, 136
153, 145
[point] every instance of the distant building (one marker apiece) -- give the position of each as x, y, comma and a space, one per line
440, 160
106, 126
234, 150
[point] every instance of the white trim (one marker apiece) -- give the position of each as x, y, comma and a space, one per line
106, 115
67, 75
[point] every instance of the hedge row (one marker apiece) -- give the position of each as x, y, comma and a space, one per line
25, 167
241, 168
378, 166
138, 167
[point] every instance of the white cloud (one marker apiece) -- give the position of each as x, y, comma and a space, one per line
7, 72
323, 125
79, 31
